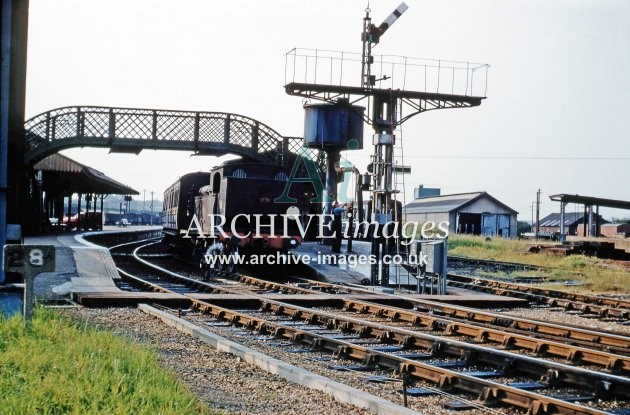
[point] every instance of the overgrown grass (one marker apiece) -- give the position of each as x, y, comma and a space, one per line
59, 366
510, 250
596, 274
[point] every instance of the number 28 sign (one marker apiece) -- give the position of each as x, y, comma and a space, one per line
29, 259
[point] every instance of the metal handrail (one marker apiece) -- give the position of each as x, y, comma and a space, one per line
395, 71
129, 129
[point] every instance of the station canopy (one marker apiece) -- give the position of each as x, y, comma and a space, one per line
591, 201
62, 175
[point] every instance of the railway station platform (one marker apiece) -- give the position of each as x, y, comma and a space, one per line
347, 271
87, 273
360, 274
80, 266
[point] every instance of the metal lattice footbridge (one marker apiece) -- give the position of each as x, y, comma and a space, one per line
131, 130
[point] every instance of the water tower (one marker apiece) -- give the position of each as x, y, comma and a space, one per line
333, 127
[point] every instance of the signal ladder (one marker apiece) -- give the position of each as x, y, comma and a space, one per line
399, 172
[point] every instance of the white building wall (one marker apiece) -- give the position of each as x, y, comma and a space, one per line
488, 205
482, 205
428, 217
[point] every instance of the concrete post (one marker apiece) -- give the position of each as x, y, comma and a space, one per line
563, 235
585, 220
444, 265
597, 223
69, 210
29, 261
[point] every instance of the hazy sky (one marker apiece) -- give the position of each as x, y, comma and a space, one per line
557, 115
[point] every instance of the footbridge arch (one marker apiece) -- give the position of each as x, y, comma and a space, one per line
131, 130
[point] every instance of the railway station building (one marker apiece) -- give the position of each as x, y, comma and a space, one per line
59, 178
573, 223
476, 213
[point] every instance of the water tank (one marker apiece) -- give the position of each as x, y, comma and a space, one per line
333, 126
422, 192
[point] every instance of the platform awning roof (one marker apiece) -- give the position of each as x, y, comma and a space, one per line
64, 174
589, 200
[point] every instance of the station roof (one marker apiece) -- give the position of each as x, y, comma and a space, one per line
448, 203
72, 176
589, 200
570, 218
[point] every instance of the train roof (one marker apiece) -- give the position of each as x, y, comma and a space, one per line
242, 163
189, 177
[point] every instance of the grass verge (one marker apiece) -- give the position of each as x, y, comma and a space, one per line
61, 366
597, 275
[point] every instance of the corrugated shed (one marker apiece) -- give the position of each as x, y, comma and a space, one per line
448, 203
429, 204
444, 203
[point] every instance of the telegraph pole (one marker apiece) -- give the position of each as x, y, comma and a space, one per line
537, 213
144, 199
533, 206
151, 206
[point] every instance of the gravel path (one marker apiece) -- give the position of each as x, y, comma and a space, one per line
219, 379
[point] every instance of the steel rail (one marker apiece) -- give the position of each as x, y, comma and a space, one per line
489, 392
409, 339
424, 308
594, 301
601, 311
125, 244
573, 354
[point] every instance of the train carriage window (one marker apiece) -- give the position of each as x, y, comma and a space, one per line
239, 174
281, 177
216, 182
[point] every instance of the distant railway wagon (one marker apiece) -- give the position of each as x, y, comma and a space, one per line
84, 221
179, 203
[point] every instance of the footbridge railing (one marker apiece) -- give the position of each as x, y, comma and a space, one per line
131, 130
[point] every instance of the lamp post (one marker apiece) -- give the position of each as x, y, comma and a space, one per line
144, 199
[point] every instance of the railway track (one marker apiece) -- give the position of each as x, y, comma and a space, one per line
602, 307
492, 365
463, 317
582, 298
508, 331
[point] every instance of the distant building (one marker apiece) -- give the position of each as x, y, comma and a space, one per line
573, 223
421, 191
615, 230
475, 213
